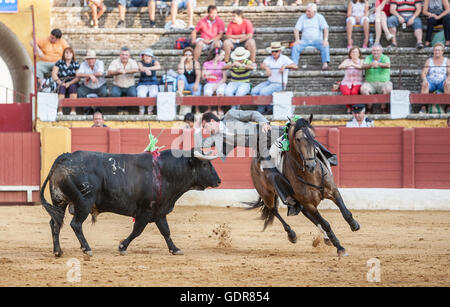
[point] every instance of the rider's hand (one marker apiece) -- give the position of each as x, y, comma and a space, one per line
266, 127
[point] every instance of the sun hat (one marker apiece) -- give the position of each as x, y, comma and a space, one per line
148, 52
275, 46
240, 53
90, 54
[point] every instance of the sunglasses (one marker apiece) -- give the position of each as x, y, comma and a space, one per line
188, 54
276, 51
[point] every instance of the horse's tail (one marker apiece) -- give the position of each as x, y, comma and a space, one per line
267, 214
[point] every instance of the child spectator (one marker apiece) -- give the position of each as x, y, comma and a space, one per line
353, 74
148, 83
215, 75
240, 68
64, 74
357, 14
48, 85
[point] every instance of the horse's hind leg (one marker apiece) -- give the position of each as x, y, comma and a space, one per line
354, 225
315, 217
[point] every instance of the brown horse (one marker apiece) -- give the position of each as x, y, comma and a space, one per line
311, 180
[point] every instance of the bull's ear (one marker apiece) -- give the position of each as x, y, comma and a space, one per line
310, 118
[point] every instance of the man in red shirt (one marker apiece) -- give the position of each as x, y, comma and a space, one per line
211, 29
239, 34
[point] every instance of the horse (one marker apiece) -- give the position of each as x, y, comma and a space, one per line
311, 178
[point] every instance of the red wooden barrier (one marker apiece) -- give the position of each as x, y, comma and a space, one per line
20, 165
15, 117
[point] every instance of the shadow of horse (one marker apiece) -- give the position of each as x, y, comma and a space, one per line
311, 179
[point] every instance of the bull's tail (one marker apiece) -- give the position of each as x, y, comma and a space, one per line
56, 212
267, 214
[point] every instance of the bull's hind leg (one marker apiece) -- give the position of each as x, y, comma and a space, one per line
82, 211
354, 225
163, 227
315, 217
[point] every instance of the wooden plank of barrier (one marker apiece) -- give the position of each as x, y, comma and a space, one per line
107, 102
223, 100
339, 100
408, 171
429, 98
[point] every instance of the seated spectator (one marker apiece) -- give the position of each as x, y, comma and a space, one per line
379, 17
49, 50
122, 70
48, 85
211, 29
189, 120
438, 12
277, 68
98, 8
99, 122
64, 74
359, 120
314, 30
357, 14
189, 74
124, 4
148, 83
215, 76
436, 75
176, 5
239, 34
240, 68
406, 13
92, 74
353, 78
250, 3
378, 75
300, 2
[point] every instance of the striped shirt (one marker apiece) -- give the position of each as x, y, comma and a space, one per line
240, 74
405, 7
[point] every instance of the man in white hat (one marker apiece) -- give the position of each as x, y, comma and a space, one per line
314, 29
276, 67
92, 75
240, 68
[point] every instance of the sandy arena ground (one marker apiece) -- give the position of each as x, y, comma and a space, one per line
226, 247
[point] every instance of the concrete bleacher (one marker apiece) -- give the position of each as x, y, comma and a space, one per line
272, 23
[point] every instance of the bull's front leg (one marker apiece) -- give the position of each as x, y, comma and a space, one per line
138, 227
165, 231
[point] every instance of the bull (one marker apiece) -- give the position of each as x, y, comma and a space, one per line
143, 186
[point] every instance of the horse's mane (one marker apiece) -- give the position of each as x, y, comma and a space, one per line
301, 124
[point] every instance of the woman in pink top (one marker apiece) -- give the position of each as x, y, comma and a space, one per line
214, 75
353, 78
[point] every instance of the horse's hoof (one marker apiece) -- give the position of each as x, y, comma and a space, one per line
58, 254
342, 253
123, 253
355, 226
292, 237
177, 252
89, 253
327, 241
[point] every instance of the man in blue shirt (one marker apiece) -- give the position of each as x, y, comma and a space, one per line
314, 30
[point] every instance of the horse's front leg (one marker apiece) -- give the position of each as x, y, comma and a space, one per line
337, 199
292, 236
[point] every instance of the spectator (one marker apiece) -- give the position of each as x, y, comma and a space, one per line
211, 29
189, 74
48, 85
406, 12
98, 8
379, 17
189, 120
92, 74
148, 83
124, 4
314, 30
215, 76
357, 13
122, 70
436, 74
99, 122
64, 74
378, 75
240, 68
353, 74
438, 12
239, 34
176, 5
49, 50
300, 2
359, 120
276, 67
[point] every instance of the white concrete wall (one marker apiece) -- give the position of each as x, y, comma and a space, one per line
357, 199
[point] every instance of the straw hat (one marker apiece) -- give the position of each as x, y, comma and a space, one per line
240, 53
275, 46
148, 52
90, 54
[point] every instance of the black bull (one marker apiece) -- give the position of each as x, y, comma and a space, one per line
139, 185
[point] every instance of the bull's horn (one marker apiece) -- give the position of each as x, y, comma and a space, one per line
204, 157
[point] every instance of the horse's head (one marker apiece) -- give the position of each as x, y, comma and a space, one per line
302, 140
